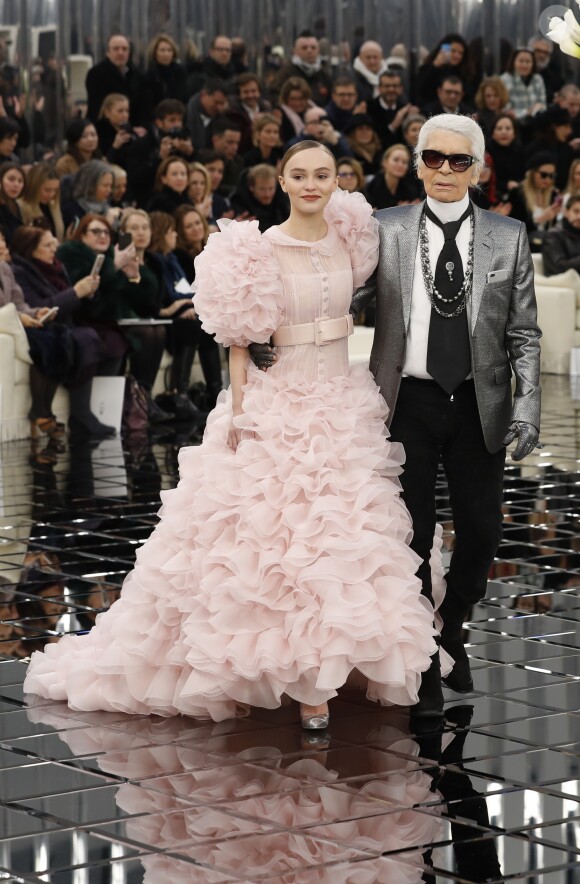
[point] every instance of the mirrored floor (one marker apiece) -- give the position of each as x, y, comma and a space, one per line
102, 797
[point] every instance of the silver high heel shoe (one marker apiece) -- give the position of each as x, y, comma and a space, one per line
316, 721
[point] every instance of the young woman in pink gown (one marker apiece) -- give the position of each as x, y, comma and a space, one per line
280, 564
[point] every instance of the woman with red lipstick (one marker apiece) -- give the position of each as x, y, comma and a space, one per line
280, 566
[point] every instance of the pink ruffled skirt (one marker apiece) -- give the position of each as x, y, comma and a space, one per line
278, 569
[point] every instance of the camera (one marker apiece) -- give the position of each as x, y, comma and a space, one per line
127, 127
178, 132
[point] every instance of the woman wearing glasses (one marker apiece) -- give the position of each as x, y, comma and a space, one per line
350, 175
536, 201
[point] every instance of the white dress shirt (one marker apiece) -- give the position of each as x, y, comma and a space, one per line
415, 364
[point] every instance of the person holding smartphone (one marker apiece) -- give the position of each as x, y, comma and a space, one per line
450, 57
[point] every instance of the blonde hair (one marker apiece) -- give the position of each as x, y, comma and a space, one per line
110, 100
536, 199
498, 85
29, 202
161, 38
199, 167
128, 213
260, 122
570, 183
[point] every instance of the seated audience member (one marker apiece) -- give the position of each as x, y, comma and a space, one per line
170, 188
317, 127
115, 74
569, 98
572, 185
536, 201
485, 194
259, 195
200, 196
91, 192
176, 304
527, 92
410, 129
364, 143
40, 200
491, 101
11, 186
266, 138
45, 283
391, 186
553, 133
450, 58
113, 127
246, 107
294, 100
202, 109
508, 154
344, 102
165, 77
167, 137
192, 235
551, 73
350, 175
10, 135
368, 66
307, 64
225, 139
217, 64
561, 247
82, 145
449, 98
118, 198
390, 108
214, 163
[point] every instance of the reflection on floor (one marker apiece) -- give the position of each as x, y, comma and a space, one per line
102, 797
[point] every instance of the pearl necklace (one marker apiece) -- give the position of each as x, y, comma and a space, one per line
432, 292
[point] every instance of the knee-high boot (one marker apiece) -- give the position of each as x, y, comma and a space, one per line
180, 374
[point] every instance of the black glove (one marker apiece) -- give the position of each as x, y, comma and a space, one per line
262, 355
527, 436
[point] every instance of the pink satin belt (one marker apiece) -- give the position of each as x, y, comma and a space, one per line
319, 332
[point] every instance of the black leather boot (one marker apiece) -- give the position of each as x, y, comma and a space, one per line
184, 408
82, 421
459, 679
430, 703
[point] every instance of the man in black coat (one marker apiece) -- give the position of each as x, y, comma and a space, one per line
450, 96
307, 64
390, 108
561, 248
115, 73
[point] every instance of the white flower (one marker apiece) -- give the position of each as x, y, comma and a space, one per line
566, 32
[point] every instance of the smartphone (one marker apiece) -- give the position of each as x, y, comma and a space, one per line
124, 240
51, 313
96, 268
75, 224
445, 47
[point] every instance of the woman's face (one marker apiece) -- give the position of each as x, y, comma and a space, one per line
193, 229
196, 189
119, 187
543, 177
523, 64
309, 179
176, 177
347, 178
104, 187
118, 113
269, 136
89, 140
97, 236
363, 134
412, 133
46, 248
8, 145
164, 53
504, 132
140, 230
48, 191
456, 53
216, 173
491, 99
170, 240
13, 184
397, 163
296, 101
576, 177
563, 132
4, 253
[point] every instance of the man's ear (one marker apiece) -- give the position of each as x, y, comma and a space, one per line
419, 172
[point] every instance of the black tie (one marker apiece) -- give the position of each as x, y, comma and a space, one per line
448, 355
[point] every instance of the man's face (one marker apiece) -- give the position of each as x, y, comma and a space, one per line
344, 97
390, 88
213, 104
571, 104
221, 51
371, 56
542, 53
171, 121
250, 93
450, 95
227, 143
443, 184
572, 215
306, 48
264, 190
118, 51
313, 125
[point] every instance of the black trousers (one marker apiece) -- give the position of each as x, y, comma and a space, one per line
435, 428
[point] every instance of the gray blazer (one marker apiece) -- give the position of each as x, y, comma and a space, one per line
504, 334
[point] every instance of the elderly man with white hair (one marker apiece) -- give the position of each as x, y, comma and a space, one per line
368, 67
455, 319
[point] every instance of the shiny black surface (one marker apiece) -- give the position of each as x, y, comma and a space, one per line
103, 797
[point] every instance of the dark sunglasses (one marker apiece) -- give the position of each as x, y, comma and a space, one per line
550, 175
458, 162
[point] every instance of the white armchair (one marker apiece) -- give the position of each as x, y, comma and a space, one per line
558, 300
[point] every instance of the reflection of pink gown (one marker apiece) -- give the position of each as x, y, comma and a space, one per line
282, 567
246, 804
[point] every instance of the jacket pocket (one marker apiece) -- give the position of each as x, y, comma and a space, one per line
503, 373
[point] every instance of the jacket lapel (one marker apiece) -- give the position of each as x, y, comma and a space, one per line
408, 239
482, 258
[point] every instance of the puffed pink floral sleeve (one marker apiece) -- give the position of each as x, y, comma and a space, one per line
353, 217
238, 290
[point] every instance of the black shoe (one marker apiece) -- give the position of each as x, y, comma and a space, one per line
157, 415
459, 679
185, 410
430, 703
90, 427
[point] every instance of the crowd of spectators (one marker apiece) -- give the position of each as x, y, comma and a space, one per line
159, 155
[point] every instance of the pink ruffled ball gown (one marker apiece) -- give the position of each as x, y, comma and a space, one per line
283, 567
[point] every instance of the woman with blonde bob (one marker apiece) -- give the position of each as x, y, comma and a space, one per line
165, 76
40, 201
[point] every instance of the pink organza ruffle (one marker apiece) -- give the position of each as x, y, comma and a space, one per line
275, 570
352, 216
238, 290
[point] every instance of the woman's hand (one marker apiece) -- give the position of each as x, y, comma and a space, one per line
87, 286
172, 308
549, 215
122, 257
29, 321
204, 208
121, 138
441, 58
502, 208
234, 435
